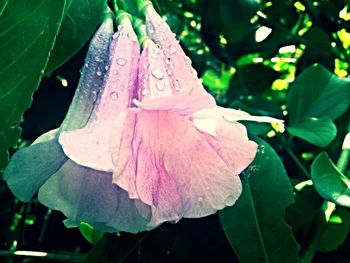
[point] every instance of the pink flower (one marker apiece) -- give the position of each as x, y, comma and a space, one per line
82, 193
177, 151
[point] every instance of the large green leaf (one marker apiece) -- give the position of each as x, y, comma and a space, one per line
81, 19
335, 230
300, 214
329, 182
319, 132
255, 225
318, 93
3, 4
27, 35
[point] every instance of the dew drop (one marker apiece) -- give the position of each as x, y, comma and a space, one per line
151, 28
145, 92
98, 73
169, 72
160, 86
177, 85
114, 95
188, 61
172, 49
106, 68
86, 65
121, 61
98, 59
120, 27
167, 60
132, 36
94, 95
115, 36
157, 73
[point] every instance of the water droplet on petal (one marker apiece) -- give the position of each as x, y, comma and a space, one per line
121, 61
86, 65
145, 92
160, 86
172, 49
115, 36
132, 36
94, 95
106, 68
151, 28
98, 59
114, 95
177, 85
169, 72
157, 73
98, 73
120, 27
188, 61
167, 60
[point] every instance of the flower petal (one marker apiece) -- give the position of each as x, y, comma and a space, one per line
232, 115
30, 167
154, 79
90, 146
87, 195
91, 79
185, 77
230, 140
181, 164
184, 104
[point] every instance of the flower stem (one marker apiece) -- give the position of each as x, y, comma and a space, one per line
296, 160
141, 4
115, 5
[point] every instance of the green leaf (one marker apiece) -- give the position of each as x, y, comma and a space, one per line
89, 233
300, 214
232, 18
319, 132
80, 22
255, 225
27, 35
335, 231
3, 4
318, 93
329, 182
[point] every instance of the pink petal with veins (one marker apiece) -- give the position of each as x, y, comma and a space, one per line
90, 146
178, 172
